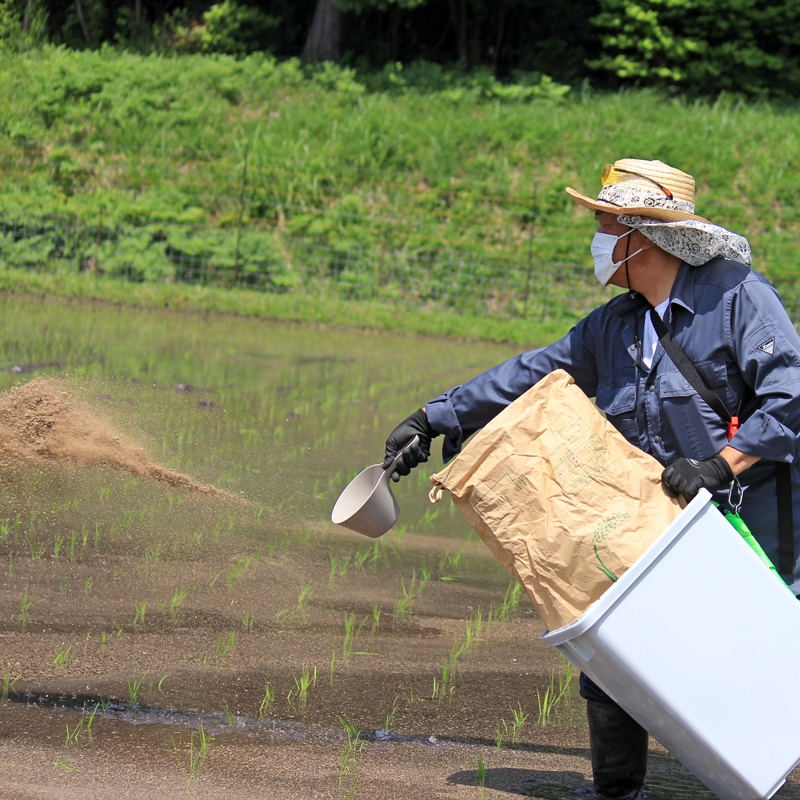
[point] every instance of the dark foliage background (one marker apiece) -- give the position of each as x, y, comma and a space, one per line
689, 47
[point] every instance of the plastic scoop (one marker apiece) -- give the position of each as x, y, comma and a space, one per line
367, 504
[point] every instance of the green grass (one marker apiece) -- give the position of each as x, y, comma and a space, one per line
347, 205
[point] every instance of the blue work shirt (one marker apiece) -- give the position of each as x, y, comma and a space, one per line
730, 323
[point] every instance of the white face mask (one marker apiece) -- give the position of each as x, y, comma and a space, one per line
603, 245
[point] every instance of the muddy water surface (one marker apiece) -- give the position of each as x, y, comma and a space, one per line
179, 617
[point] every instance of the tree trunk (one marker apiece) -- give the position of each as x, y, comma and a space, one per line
394, 30
82, 20
325, 34
26, 19
498, 42
137, 11
458, 16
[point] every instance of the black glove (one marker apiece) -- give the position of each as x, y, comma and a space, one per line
687, 476
416, 425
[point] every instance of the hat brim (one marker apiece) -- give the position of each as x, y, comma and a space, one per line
653, 212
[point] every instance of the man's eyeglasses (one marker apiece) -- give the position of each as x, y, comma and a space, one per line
611, 176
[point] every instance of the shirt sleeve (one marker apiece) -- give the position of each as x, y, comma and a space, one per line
767, 348
465, 409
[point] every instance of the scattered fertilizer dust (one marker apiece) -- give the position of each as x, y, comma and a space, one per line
41, 421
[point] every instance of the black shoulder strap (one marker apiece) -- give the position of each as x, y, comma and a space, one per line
783, 475
686, 367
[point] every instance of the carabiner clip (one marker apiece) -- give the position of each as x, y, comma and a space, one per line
736, 490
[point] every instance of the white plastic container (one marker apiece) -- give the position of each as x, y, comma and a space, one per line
700, 643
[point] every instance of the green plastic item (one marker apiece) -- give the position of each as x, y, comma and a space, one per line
741, 528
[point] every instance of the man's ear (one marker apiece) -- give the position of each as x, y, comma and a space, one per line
642, 242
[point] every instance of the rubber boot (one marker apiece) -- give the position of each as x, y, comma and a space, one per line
619, 751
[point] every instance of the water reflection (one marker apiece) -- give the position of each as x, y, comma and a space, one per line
284, 414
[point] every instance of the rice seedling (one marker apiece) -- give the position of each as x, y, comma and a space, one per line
267, 701
501, 733
8, 683
445, 685
376, 617
510, 602
25, 606
134, 686
241, 567
347, 644
474, 628
302, 684
225, 648
229, 715
480, 773
364, 555
248, 622
387, 722
400, 529
297, 611
73, 541
61, 658
87, 585
36, 549
61, 764
73, 734
175, 603
518, 722
402, 607
103, 639
429, 517
557, 691
141, 611
151, 554
338, 567
86, 643
197, 752
447, 570
348, 764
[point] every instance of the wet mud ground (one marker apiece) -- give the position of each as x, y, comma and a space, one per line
159, 639
205, 663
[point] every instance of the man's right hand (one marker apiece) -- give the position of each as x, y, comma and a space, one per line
416, 425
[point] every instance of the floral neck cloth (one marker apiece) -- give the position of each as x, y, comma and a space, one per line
693, 241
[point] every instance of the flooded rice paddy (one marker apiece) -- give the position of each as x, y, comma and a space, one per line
179, 617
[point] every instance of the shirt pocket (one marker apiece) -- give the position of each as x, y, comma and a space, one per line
674, 383
688, 424
618, 403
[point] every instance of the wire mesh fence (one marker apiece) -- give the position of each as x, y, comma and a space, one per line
261, 257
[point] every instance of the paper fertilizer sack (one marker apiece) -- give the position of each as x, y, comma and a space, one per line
563, 501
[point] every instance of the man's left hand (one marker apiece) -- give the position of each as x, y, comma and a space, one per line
687, 476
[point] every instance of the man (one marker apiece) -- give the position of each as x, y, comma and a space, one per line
731, 326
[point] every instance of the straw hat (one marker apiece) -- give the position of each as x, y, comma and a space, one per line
658, 200
650, 189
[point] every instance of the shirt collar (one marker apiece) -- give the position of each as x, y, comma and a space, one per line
683, 289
